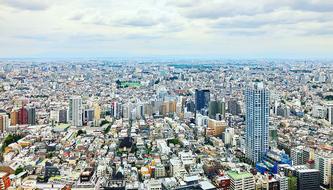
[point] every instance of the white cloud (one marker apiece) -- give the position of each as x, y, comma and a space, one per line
168, 26
32, 5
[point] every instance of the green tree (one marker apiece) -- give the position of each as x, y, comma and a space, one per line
292, 183
80, 132
18, 170
11, 138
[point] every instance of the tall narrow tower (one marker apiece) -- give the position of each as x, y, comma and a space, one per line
75, 111
257, 115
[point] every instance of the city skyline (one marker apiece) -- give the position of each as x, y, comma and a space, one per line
166, 94
224, 29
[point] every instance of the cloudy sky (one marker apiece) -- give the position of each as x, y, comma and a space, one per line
223, 28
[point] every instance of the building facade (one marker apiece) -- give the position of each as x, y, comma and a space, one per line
202, 98
75, 111
257, 121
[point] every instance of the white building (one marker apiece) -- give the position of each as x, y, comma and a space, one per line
187, 158
75, 111
4, 122
159, 171
257, 121
54, 115
228, 135
153, 184
163, 146
283, 181
241, 180
323, 163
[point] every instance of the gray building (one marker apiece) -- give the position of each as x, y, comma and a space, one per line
234, 107
300, 155
31, 116
308, 179
63, 116
216, 107
88, 115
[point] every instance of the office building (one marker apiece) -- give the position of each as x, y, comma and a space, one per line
234, 107
300, 155
257, 124
215, 128
329, 116
323, 163
283, 181
190, 106
22, 116
75, 111
241, 180
4, 122
202, 98
228, 135
308, 179
216, 107
89, 115
31, 115
97, 111
63, 116
14, 118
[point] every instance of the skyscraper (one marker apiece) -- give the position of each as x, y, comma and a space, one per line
234, 107
202, 98
4, 122
257, 114
14, 117
23, 116
89, 115
75, 111
63, 116
97, 111
31, 116
216, 107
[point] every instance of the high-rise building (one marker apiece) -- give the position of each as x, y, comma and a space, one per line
216, 107
215, 127
241, 180
97, 111
22, 116
234, 107
202, 98
329, 116
63, 116
257, 124
118, 111
75, 111
283, 181
14, 118
148, 109
31, 115
228, 135
323, 163
308, 179
190, 106
89, 115
299, 155
54, 116
4, 122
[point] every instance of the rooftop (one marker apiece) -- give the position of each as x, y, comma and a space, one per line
239, 175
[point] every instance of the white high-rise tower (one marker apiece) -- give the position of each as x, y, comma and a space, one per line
257, 123
75, 111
